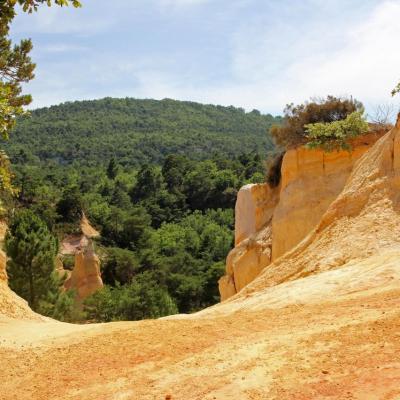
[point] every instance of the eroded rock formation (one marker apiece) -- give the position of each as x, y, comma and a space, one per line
271, 221
253, 214
85, 278
362, 222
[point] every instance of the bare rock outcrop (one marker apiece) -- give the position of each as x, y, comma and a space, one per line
362, 222
87, 229
254, 207
270, 222
253, 213
85, 278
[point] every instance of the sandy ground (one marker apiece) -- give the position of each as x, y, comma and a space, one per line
341, 346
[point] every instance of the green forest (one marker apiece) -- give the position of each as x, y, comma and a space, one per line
158, 179
137, 132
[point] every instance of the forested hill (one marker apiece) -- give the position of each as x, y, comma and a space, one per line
137, 131
158, 179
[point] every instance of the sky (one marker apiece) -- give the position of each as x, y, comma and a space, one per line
255, 54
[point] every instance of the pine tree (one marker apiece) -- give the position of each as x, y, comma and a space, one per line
31, 266
16, 68
70, 205
112, 169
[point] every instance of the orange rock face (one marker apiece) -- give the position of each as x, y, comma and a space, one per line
85, 278
254, 207
270, 222
311, 181
253, 213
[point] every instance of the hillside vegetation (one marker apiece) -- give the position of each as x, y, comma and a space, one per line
138, 131
158, 179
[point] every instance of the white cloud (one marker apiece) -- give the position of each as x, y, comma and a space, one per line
367, 66
360, 58
274, 57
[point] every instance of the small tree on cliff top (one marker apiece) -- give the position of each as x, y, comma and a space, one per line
292, 132
31, 266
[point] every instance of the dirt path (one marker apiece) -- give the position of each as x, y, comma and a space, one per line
342, 350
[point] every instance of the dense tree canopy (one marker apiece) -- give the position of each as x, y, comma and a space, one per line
179, 235
136, 132
166, 224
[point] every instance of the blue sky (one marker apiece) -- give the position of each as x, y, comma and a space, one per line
258, 54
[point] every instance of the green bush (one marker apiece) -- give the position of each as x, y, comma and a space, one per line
119, 266
292, 133
336, 135
141, 299
68, 261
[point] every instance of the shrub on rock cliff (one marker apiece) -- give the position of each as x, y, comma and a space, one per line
292, 132
336, 135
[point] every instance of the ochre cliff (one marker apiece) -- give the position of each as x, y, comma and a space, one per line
271, 221
362, 222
